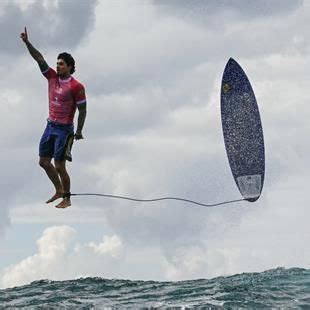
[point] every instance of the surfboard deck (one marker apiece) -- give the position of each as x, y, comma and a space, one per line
242, 130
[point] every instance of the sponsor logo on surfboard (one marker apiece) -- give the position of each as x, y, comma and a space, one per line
226, 88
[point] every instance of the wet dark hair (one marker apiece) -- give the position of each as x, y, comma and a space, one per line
68, 60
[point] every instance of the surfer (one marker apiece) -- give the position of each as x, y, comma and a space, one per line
65, 95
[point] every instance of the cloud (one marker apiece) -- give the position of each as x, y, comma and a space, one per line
59, 258
4, 215
112, 245
158, 49
62, 24
206, 10
260, 241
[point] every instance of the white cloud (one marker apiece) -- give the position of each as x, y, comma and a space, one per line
43, 213
52, 247
111, 245
57, 258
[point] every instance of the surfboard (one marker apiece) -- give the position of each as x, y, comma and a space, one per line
242, 131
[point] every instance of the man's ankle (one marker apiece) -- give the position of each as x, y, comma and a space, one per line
67, 195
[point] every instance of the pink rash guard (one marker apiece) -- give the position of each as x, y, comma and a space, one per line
63, 95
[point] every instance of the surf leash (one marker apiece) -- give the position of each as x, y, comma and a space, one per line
68, 195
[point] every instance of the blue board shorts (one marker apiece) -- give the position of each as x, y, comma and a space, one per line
56, 141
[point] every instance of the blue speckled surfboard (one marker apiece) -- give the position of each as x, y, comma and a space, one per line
242, 130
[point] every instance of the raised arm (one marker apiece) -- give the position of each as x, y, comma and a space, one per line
37, 56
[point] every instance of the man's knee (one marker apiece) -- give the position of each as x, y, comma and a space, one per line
60, 166
45, 162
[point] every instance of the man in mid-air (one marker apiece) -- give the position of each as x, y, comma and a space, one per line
65, 95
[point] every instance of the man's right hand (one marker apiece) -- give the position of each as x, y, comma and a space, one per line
37, 56
24, 35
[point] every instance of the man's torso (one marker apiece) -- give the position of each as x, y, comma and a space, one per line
64, 96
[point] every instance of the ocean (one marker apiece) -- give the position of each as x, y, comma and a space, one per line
277, 288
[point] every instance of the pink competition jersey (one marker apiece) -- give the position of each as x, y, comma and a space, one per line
63, 96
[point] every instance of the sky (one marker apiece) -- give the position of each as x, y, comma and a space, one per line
152, 72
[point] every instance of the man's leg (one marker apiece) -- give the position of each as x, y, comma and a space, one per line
65, 181
45, 163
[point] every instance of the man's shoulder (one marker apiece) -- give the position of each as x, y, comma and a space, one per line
76, 83
78, 90
48, 72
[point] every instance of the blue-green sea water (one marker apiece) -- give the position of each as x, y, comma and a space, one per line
277, 288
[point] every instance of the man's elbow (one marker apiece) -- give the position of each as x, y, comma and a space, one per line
40, 60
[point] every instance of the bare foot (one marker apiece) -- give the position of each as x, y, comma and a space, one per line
66, 202
55, 197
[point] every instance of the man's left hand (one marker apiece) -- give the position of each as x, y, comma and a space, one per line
78, 136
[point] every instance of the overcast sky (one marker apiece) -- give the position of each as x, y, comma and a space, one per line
152, 73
